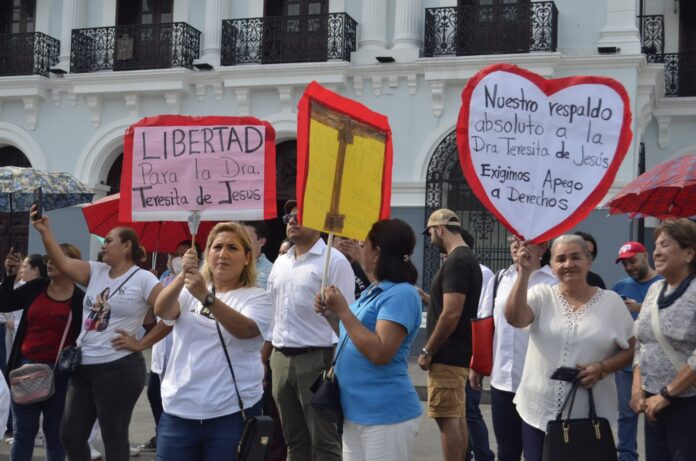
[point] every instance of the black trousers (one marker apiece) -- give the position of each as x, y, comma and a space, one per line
672, 437
507, 425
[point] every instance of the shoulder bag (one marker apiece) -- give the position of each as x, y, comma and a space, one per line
326, 397
35, 382
71, 357
482, 332
578, 439
258, 430
677, 361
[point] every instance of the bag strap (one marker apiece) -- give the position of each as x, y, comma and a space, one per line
229, 364
496, 282
677, 361
62, 340
571, 397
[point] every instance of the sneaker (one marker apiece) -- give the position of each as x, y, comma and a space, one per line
39, 440
134, 451
94, 454
150, 446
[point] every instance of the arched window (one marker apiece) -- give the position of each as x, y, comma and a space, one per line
113, 179
18, 221
446, 188
286, 175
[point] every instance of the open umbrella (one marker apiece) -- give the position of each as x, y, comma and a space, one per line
666, 191
155, 236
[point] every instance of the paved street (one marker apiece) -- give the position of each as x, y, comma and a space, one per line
427, 443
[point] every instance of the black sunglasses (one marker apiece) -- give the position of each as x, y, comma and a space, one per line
289, 217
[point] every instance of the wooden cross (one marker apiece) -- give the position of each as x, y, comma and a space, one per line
347, 129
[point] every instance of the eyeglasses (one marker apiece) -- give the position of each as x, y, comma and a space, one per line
289, 217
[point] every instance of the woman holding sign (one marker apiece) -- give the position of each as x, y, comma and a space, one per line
379, 402
220, 319
111, 376
664, 376
585, 331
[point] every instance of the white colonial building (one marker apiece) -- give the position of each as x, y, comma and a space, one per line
75, 73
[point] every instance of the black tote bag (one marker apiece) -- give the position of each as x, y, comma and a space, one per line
579, 439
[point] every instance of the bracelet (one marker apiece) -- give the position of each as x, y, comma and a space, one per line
424, 352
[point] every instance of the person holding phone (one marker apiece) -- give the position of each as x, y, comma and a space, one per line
111, 376
572, 325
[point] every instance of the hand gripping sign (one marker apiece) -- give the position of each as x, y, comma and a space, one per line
540, 154
344, 160
212, 168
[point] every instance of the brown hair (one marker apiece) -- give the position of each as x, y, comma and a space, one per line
71, 250
683, 231
126, 234
249, 271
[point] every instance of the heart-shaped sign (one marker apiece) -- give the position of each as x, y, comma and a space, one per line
538, 153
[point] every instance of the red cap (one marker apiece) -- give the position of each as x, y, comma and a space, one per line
630, 249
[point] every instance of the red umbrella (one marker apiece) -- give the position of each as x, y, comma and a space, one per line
667, 191
155, 236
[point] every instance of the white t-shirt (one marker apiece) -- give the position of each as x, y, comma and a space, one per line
105, 312
198, 383
559, 336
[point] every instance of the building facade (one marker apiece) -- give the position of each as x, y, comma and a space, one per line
75, 73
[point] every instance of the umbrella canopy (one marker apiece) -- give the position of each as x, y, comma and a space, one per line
667, 191
155, 236
59, 190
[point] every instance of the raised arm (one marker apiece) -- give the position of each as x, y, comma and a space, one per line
75, 269
167, 302
517, 311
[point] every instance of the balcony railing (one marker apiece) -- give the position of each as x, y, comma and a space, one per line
283, 39
491, 29
131, 47
28, 53
680, 68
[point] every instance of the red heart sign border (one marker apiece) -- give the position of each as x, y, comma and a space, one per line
549, 87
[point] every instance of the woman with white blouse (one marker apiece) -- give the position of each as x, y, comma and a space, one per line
202, 418
571, 324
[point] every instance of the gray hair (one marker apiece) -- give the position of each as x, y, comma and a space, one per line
568, 239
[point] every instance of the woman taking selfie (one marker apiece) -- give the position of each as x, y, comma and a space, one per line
111, 376
584, 329
664, 378
49, 306
379, 401
217, 313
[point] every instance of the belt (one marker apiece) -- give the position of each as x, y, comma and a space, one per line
301, 350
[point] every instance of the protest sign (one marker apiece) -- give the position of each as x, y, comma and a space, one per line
221, 168
540, 154
344, 161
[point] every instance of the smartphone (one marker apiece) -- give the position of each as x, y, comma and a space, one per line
38, 196
565, 374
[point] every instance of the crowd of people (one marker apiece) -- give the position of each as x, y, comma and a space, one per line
234, 335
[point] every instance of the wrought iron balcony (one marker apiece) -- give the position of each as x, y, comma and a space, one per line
137, 46
28, 53
283, 39
491, 29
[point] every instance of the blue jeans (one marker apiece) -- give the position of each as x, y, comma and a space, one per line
507, 425
181, 439
628, 419
26, 423
154, 396
478, 432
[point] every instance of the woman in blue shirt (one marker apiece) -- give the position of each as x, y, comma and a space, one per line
380, 404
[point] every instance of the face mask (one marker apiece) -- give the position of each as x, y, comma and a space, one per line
177, 265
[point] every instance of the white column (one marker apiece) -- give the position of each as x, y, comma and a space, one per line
621, 30
408, 24
212, 32
72, 18
373, 25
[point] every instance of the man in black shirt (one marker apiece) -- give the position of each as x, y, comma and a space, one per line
454, 297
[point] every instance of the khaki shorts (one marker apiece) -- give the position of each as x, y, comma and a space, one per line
446, 384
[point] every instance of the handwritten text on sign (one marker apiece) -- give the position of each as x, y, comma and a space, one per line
186, 168
540, 157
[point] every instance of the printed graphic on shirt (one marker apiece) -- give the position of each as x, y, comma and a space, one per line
200, 310
100, 312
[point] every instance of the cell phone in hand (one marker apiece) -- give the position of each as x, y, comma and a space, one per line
38, 198
567, 374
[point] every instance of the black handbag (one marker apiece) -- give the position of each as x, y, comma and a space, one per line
579, 439
70, 359
258, 430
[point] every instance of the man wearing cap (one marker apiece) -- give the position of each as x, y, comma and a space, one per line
632, 289
454, 297
302, 340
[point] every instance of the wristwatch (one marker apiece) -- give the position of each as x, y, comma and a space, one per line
664, 393
425, 353
208, 300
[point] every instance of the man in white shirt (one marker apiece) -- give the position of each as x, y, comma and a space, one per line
302, 340
258, 231
509, 352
